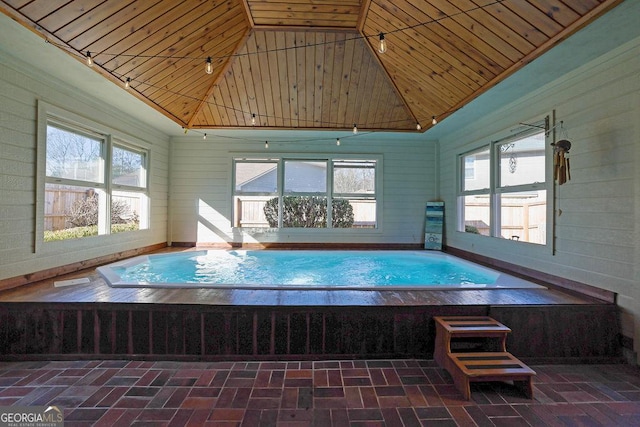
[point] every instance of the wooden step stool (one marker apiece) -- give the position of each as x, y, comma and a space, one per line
478, 366
448, 327
488, 366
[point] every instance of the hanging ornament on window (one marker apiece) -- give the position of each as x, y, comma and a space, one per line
513, 161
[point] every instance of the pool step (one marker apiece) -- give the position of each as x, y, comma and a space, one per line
466, 367
489, 366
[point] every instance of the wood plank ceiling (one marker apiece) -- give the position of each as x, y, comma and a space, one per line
306, 64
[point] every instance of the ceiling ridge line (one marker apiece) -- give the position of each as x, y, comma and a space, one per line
242, 40
360, 36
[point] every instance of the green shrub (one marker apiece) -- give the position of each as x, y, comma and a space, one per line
309, 212
471, 229
128, 226
90, 230
71, 233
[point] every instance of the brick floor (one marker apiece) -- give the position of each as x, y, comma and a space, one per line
324, 393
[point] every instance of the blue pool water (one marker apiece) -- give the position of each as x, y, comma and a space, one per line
305, 269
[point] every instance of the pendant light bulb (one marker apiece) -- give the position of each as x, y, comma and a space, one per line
89, 59
418, 127
383, 44
253, 119
266, 144
433, 120
355, 129
204, 136
338, 141
185, 130
209, 66
127, 84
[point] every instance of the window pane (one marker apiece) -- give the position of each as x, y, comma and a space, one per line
255, 211
353, 213
127, 167
126, 211
302, 176
522, 161
73, 156
256, 177
477, 215
70, 212
523, 216
469, 168
304, 212
476, 170
357, 177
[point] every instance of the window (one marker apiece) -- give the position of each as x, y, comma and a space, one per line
255, 183
129, 188
521, 193
469, 168
354, 185
475, 205
305, 193
79, 199
506, 196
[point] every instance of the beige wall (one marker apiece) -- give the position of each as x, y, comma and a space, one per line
597, 218
21, 88
201, 187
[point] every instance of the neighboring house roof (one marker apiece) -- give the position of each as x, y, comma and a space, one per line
300, 177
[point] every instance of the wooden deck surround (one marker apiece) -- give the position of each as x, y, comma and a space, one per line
85, 321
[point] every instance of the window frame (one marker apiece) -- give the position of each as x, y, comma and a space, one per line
495, 190
66, 120
142, 190
281, 158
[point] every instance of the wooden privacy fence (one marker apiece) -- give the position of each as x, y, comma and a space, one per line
520, 220
58, 204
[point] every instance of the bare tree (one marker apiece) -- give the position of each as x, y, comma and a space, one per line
71, 155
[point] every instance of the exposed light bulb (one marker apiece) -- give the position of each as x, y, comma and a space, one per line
338, 141
89, 59
127, 83
185, 130
253, 119
355, 129
418, 127
433, 120
383, 44
204, 136
209, 66
266, 144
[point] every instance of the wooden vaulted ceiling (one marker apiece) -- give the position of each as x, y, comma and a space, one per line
310, 64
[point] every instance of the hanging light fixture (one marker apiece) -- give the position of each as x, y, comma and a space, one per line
89, 59
418, 127
266, 144
355, 129
253, 119
433, 120
204, 136
338, 141
127, 83
209, 66
383, 44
